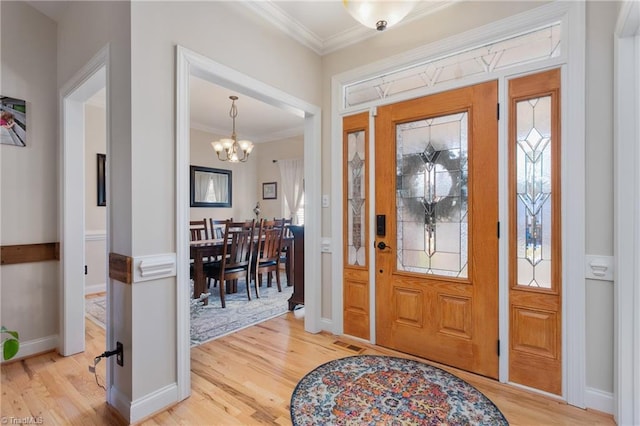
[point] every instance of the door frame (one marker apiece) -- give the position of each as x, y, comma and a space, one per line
191, 63
572, 15
92, 77
627, 215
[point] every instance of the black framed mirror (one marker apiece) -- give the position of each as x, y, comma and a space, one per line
210, 187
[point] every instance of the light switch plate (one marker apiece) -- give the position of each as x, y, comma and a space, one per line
325, 200
325, 245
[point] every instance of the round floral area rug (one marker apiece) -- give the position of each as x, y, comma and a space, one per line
382, 390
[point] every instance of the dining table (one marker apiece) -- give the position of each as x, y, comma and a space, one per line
204, 249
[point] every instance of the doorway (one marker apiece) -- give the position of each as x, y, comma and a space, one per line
77, 91
193, 64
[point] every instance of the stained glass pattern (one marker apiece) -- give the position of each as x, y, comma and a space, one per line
533, 187
356, 198
431, 196
532, 46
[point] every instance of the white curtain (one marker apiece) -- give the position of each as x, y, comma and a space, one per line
201, 186
220, 189
292, 178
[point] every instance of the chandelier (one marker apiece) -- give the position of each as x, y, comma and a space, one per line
378, 14
230, 149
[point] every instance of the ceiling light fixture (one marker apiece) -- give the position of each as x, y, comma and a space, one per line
378, 14
231, 147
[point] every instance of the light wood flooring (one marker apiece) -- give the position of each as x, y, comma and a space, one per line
244, 378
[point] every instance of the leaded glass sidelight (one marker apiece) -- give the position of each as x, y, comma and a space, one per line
431, 195
356, 197
533, 188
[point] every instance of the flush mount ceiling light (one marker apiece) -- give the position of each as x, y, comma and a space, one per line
231, 149
378, 14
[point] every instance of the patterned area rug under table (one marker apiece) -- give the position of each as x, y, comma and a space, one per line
212, 321
383, 390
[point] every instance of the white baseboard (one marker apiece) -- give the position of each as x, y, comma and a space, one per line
145, 407
599, 400
154, 402
36, 346
327, 325
95, 288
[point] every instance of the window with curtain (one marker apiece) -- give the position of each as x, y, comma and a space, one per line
292, 178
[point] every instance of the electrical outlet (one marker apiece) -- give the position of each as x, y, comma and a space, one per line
119, 354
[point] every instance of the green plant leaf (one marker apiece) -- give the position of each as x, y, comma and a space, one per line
11, 332
10, 348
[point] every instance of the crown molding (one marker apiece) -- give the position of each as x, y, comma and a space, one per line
294, 29
270, 137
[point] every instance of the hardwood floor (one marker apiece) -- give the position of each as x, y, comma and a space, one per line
244, 378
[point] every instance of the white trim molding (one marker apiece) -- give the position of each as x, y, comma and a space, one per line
91, 78
626, 115
36, 346
154, 267
99, 235
599, 400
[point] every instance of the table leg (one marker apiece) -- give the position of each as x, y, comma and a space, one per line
198, 279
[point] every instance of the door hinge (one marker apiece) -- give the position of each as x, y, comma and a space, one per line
85, 270
498, 111
498, 229
498, 347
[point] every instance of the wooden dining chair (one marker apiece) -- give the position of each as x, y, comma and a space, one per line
198, 230
285, 252
237, 256
216, 228
267, 254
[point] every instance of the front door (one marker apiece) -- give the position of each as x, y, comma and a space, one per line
436, 193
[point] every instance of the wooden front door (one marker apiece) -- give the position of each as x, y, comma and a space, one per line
437, 254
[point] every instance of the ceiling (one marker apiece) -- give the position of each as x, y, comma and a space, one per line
322, 25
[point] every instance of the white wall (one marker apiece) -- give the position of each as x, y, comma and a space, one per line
243, 179
95, 248
28, 176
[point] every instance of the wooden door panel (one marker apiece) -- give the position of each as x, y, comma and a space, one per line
443, 315
355, 290
535, 288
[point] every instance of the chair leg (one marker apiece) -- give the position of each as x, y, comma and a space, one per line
277, 272
248, 281
255, 285
222, 293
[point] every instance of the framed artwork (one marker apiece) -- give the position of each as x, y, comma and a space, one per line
13, 121
102, 191
269, 190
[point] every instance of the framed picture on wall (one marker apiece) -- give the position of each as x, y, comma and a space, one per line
102, 191
13, 121
269, 190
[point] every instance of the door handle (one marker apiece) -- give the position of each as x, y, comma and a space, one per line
382, 245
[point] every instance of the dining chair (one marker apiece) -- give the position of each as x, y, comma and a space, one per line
237, 256
285, 252
198, 232
267, 254
216, 228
